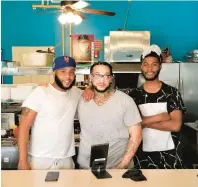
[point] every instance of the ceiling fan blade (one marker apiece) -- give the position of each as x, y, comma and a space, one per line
81, 15
101, 12
80, 4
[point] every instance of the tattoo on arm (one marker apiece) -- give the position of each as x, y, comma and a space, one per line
131, 149
129, 154
25, 111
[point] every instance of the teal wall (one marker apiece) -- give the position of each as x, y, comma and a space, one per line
171, 23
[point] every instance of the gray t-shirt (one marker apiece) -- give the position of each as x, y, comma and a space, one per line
106, 124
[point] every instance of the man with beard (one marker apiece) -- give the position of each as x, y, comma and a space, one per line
110, 117
49, 112
161, 107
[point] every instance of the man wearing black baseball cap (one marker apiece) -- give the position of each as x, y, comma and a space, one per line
161, 107
49, 112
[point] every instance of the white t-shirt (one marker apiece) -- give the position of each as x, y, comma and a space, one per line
52, 134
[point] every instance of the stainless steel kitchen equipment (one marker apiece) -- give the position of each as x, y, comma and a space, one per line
194, 127
106, 48
190, 147
9, 154
9, 115
7, 120
192, 56
189, 89
125, 46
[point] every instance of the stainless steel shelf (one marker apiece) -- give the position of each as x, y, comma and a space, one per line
26, 71
37, 71
11, 101
126, 68
192, 125
82, 71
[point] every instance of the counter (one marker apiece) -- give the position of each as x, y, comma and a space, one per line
84, 178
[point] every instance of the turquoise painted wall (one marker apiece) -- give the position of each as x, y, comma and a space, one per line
171, 23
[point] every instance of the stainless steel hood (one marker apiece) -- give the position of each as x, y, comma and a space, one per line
126, 68
125, 46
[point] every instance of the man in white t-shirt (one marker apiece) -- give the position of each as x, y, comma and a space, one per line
110, 117
49, 112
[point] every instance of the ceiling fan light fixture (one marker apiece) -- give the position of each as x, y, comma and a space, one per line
62, 19
77, 19
69, 17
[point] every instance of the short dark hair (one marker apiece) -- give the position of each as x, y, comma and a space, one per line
83, 37
153, 54
104, 64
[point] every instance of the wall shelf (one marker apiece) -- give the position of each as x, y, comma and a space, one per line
37, 71
26, 71
10, 101
80, 70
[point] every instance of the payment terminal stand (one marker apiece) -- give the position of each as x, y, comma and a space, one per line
98, 161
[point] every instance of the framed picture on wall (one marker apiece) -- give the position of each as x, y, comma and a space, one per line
81, 47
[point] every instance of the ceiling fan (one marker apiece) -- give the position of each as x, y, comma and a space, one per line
76, 7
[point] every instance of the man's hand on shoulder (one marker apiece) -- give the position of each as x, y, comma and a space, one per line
88, 94
45, 84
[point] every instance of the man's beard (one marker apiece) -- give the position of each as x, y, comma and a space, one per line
102, 91
60, 84
153, 78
